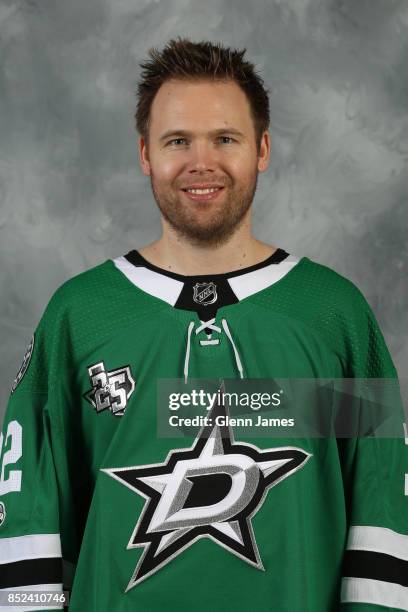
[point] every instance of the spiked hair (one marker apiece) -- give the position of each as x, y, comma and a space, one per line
183, 59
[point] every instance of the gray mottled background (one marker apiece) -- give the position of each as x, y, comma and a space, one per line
72, 193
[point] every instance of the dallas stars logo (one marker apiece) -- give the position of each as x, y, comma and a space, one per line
211, 490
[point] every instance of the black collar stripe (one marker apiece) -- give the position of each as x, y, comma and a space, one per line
168, 286
135, 258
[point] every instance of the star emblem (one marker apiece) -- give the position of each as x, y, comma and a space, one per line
210, 490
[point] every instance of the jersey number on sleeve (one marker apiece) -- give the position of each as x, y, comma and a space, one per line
11, 456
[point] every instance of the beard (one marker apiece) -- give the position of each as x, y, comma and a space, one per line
209, 223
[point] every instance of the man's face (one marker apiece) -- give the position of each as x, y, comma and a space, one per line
202, 133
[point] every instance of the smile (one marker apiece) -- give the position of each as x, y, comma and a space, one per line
203, 190
203, 194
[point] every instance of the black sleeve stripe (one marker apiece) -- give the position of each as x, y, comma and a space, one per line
375, 566
31, 571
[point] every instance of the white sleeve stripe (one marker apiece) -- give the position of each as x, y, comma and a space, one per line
38, 546
378, 539
364, 590
54, 588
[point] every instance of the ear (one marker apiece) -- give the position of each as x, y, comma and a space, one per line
144, 156
264, 153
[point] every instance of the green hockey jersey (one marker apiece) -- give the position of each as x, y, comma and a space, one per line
93, 500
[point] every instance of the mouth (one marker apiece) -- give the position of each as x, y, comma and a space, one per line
203, 195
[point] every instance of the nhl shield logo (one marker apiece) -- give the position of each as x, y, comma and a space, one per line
2, 513
205, 293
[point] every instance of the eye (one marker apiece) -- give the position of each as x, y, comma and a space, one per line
175, 140
227, 138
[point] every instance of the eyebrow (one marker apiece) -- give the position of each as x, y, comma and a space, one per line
225, 130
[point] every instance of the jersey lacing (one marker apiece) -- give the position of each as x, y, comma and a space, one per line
210, 325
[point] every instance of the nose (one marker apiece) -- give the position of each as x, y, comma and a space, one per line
202, 157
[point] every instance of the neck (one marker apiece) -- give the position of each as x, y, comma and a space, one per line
175, 254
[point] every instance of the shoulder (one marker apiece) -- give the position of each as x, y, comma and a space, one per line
91, 281
340, 312
96, 303
80, 291
328, 287
315, 294
327, 294
102, 287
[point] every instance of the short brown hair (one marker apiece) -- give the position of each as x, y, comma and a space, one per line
184, 59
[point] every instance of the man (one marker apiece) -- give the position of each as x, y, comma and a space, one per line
219, 520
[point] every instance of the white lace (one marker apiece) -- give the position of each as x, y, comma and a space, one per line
210, 325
